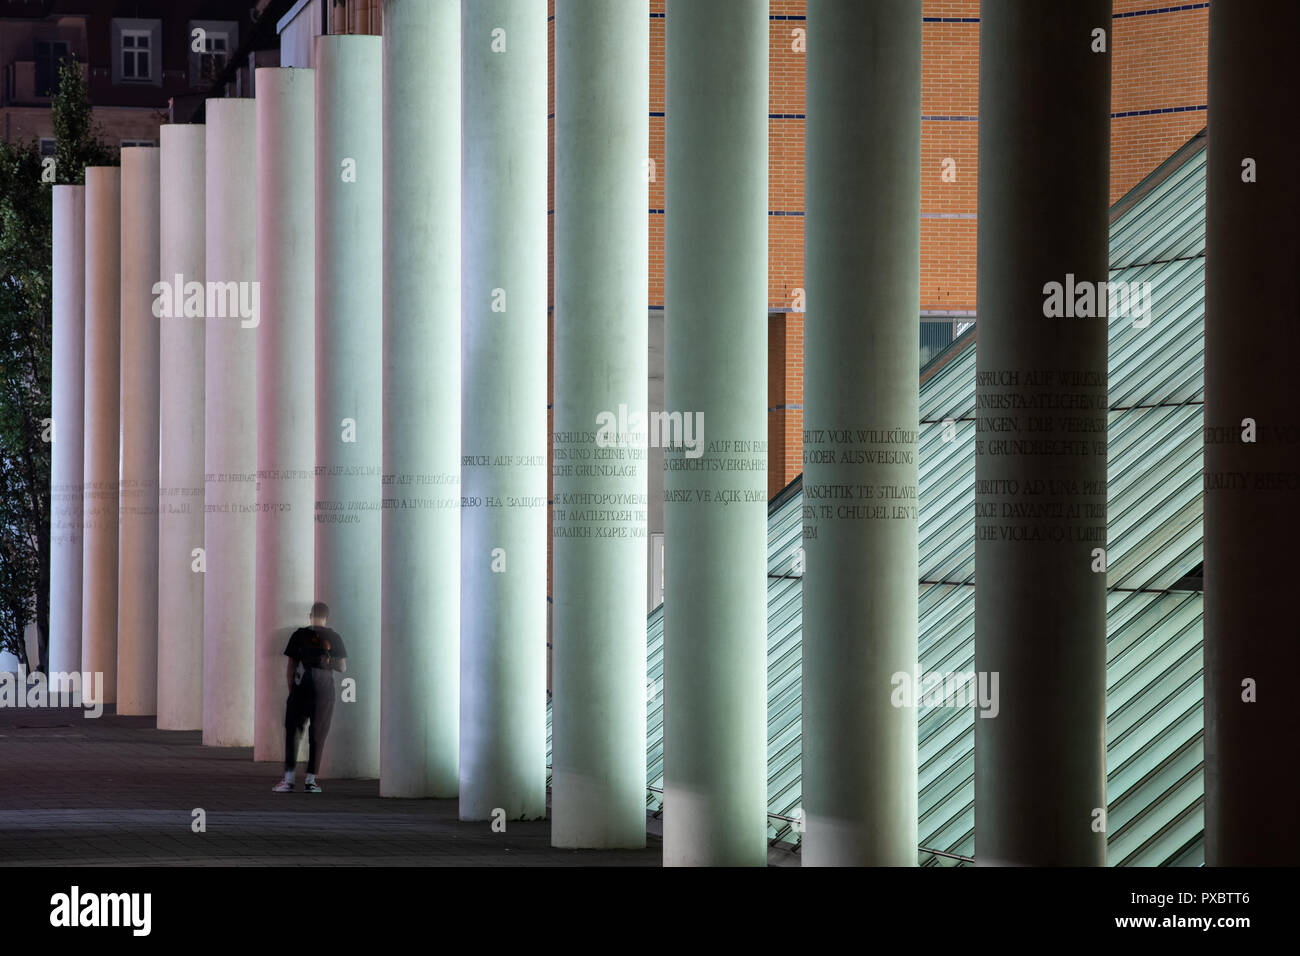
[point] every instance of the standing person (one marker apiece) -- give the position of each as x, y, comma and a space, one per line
315, 653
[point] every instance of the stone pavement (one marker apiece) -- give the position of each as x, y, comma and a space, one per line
117, 791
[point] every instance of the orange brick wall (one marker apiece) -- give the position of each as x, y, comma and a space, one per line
950, 48
785, 390
1158, 62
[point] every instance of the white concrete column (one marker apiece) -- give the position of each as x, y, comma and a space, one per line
504, 428
67, 408
180, 417
420, 753
1040, 432
103, 350
598, 717
1251, 446
230, 415
137, 535
863, 182
715, 535
286, 381
349, 344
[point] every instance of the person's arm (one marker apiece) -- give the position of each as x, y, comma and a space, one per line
291, 654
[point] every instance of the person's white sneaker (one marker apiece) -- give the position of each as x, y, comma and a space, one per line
284, 786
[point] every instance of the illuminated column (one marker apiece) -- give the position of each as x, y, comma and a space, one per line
1252, 444
349, 343
504, 428
103, 352
1040, 449
421, 523
860, 578
180, 387
67, 407
602, 97
230, 415
715, 561
286, 381
137, 555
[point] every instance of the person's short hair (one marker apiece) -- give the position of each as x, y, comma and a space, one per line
320, 609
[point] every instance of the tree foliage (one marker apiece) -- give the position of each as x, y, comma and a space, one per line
25, 347
77, 138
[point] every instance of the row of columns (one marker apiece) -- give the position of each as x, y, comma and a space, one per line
429, 523
1040, 603
234, 402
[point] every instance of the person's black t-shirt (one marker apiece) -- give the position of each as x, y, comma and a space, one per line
314, 645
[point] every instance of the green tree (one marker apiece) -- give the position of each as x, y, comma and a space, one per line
77, 138
25, 345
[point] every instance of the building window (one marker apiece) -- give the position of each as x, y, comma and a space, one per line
212, 43
47, 146
135, 55
137, 142
48, 55
137, 49
213, 58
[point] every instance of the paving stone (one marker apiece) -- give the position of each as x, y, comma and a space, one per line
115, 790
